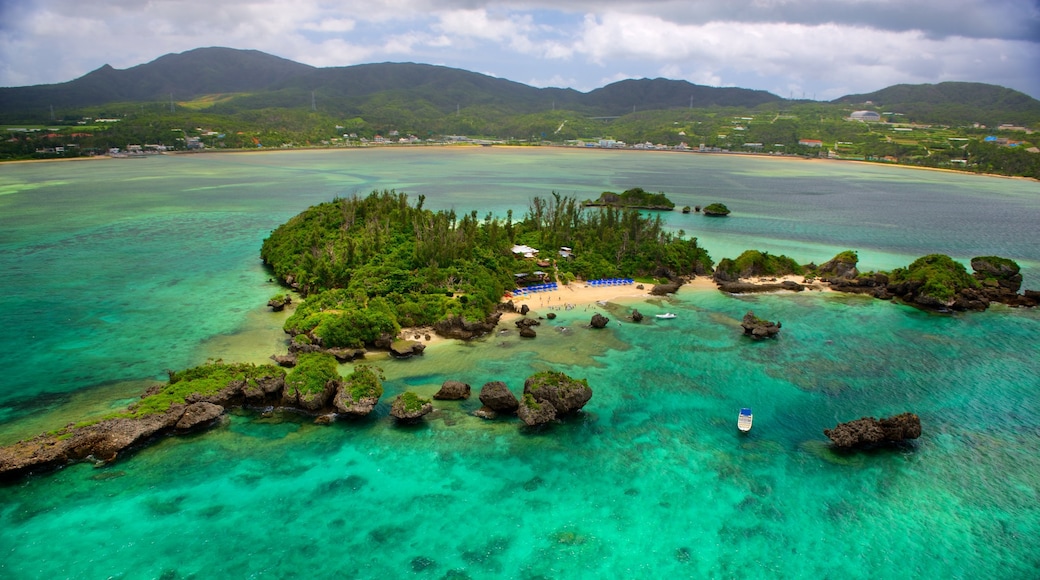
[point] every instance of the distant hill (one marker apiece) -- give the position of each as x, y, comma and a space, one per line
249, 80
953, 102
185, 75
270, 81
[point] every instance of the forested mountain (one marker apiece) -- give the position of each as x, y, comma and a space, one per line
952, 102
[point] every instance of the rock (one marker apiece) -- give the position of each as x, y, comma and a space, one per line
533, 412
527, 332
524, 309
316, 401
758, 328
496, 396
278, 303
868, 431
409, 408
325, 419
452, 391
670, 287
637, 316
284, 360
197, 414
599, 321
485, 412
406, 348
526, 322
458, 327
566, 395
551, 316
840, 267
346, 404
346, 354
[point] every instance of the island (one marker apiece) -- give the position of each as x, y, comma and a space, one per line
635, 198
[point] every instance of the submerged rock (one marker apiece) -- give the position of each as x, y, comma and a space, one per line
759, 328
869, 432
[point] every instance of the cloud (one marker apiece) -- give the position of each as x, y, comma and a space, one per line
824, 48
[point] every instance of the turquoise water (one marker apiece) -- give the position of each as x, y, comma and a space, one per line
118, 270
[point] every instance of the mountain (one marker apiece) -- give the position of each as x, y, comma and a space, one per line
270, 81
953, 102
186, 75
249, 81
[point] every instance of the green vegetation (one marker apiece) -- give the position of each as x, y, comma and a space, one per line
939, 277
716, 209
364, 382
556, 379
207, 379
636, 198
1005, 267
312, 372
412, 402
753, 263
530, 402
371, 265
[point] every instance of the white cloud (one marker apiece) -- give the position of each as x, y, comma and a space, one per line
822, 47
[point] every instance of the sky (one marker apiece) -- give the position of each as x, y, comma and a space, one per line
814, 49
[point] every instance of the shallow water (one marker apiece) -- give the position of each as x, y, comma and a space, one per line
126, 268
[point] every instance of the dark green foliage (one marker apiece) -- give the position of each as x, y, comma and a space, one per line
364, 382
940, 276
207, 379
636, 197
311, 373
753, 263
716, 209
1002, 265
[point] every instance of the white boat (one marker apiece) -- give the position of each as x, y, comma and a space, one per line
665, 315
744, 419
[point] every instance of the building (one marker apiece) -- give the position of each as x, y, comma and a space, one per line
810, 142
866, 116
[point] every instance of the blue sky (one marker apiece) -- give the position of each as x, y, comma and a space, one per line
820, 49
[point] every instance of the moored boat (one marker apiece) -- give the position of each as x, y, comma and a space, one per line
666, 315
744, 419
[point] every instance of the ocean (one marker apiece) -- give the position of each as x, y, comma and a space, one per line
120, 269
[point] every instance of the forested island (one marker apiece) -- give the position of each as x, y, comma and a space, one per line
368, 266
635, 198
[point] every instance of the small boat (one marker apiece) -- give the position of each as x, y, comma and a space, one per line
666, 315
744, 419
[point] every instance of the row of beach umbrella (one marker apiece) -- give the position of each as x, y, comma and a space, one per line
611, 282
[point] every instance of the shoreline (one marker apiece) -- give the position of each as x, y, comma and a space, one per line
269, 150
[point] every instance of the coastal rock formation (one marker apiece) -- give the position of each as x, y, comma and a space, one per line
759, 328
496, 396
198, 414
406, 348
869, 432
533, 413
599, 321
347, 354
549, 394
527, 332
452, 391
278, 303
637, 316
458, 327
284, 360
485, 412
665, 288
524, 309
409, 408
551, 316
345, 403
744, 287
840, 267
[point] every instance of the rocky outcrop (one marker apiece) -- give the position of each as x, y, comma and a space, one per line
637, 316
533, 412
665, 288
409, 408
199, 414
406, 348
565, 394
745, 287
345, 403
452, 391
758, 328
278, 303
347, 354
599, 321
458, 327
496, 396
284, 360
524, 309
525, 324
869, 432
